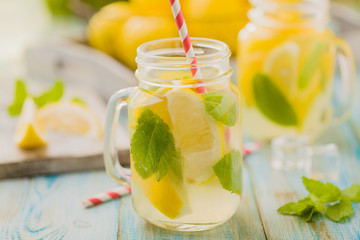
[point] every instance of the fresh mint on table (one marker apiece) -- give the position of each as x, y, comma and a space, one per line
221, 106
153, 147
323, 198
271, 101
19, 98
51, 95
228, 170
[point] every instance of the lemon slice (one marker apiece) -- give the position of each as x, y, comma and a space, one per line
70, 117
162, 195
155, 101
198, 137
29, 133
282, 66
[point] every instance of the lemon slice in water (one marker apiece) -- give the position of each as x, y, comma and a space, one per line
282, 66
197, 135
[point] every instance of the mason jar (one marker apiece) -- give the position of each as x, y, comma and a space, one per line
185, 136
286, 64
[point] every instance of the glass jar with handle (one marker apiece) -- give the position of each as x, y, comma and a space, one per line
185, 146
286, 63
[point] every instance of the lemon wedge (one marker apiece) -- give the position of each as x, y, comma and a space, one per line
197, 135
155, 101
162, 195
29, 133
70, 117
282, 66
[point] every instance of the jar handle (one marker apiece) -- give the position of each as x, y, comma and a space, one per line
348, 80
112, 164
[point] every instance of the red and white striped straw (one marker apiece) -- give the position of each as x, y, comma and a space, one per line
250, 148
186, 42
106, 196
123, 190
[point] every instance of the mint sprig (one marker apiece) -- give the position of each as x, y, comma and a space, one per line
153, 147
21, 93
19, 98
228, 170
221, 106
323, 198
51, 95
272, 102
311, 65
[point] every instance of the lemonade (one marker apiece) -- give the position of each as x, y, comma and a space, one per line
190, 187
185, 145
286, 65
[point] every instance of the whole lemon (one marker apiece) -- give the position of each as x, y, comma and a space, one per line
106, 23
217, 19
152, 7
138, 30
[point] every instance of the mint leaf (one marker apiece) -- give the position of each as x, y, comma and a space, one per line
310, 66
318, 203
221, 106
340, 210
297, 209
52, 95
352, 192
19, 98
78, 100
327, 192
307, 215
152, 146
228, 170
271, 102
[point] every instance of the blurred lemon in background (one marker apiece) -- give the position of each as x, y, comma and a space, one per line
119, 28
216, 19
106, 23
140, 29
29, 132
152, 7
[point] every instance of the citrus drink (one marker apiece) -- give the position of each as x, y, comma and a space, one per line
199, 182
286, 67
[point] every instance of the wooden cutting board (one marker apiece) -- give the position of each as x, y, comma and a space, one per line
64, 153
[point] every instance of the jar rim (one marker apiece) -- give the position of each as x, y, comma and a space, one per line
207, 51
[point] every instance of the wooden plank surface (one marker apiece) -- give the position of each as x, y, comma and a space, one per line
49, 207
64, 152
273, 188
245, 224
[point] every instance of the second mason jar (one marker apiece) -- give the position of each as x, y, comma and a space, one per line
185, 136
286, 61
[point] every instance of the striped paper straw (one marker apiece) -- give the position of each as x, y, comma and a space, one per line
185, 39
106, 196
250, 148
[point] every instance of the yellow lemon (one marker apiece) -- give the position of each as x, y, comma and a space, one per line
217, 19
155, 101
162, 195
138, 30
70, 117
198, 137
29, 133
152, 7
282, 67
106, 23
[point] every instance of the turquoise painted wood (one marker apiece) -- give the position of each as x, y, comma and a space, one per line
49, 207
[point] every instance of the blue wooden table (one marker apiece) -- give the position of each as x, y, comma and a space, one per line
49, 207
